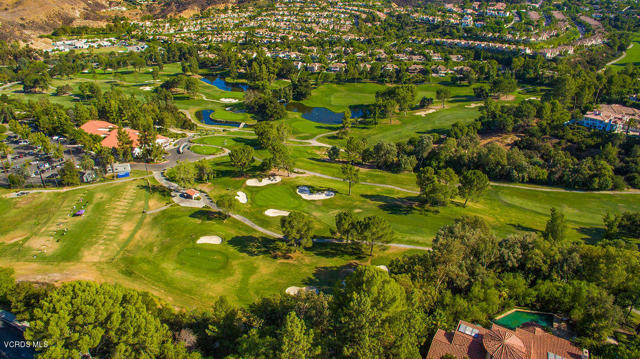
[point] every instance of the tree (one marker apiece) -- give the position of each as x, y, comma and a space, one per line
125, 145
442, 94
354, 149
241, 156
191, 86
481, 92
100, 320
297, 228
69, 173
373, 318
350, 174
22, 130
472, 184
86, 163
345, 225
183, 173
155, 73
556, 226
426, 102
297, 341
373, 230
7, 282
437, 187
333, 153
227, 203
16, 180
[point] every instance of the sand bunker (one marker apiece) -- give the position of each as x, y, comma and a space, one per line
241, 197
146, 88
254, 182
426, 112
276, 213
229, 100
305, 193
472, 105
209, 240
383, 267
296, 290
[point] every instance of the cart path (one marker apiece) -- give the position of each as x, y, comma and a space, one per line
624, 54
66, 189
159, 176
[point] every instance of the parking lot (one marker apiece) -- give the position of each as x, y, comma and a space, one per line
38, 166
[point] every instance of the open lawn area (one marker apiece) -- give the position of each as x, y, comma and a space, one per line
115, 241
507, 210
632, 56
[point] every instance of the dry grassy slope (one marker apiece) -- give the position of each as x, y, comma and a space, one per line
22, 19
186, 8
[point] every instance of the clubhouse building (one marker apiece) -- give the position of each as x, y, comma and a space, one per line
530, 341
109, 134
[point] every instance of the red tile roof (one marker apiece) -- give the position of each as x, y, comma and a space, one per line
192, 192
109, 132
100, 128
530, 341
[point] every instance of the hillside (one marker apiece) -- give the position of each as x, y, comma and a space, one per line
185, 8
23, 19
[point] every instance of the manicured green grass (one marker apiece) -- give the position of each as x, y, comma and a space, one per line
507, 210
632, 56
206, 150
116, 242
167, 260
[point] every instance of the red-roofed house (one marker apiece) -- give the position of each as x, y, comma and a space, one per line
530, 341
109, 134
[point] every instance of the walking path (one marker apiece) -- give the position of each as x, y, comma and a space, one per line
561, 189
159, 176
314, 141
66, 189
8, 85
624, 54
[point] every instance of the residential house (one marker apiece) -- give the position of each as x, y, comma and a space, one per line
530, 341
613, 118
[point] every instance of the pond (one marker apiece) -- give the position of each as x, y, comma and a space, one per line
516, 318
324, 115
205, 117
224, 85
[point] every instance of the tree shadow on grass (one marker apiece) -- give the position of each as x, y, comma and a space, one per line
253, 246
335, 250
324, 278
156, 188
208, 215
522, 228
392, 205
594, 234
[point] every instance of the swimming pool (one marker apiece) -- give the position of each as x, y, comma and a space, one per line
516, 318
